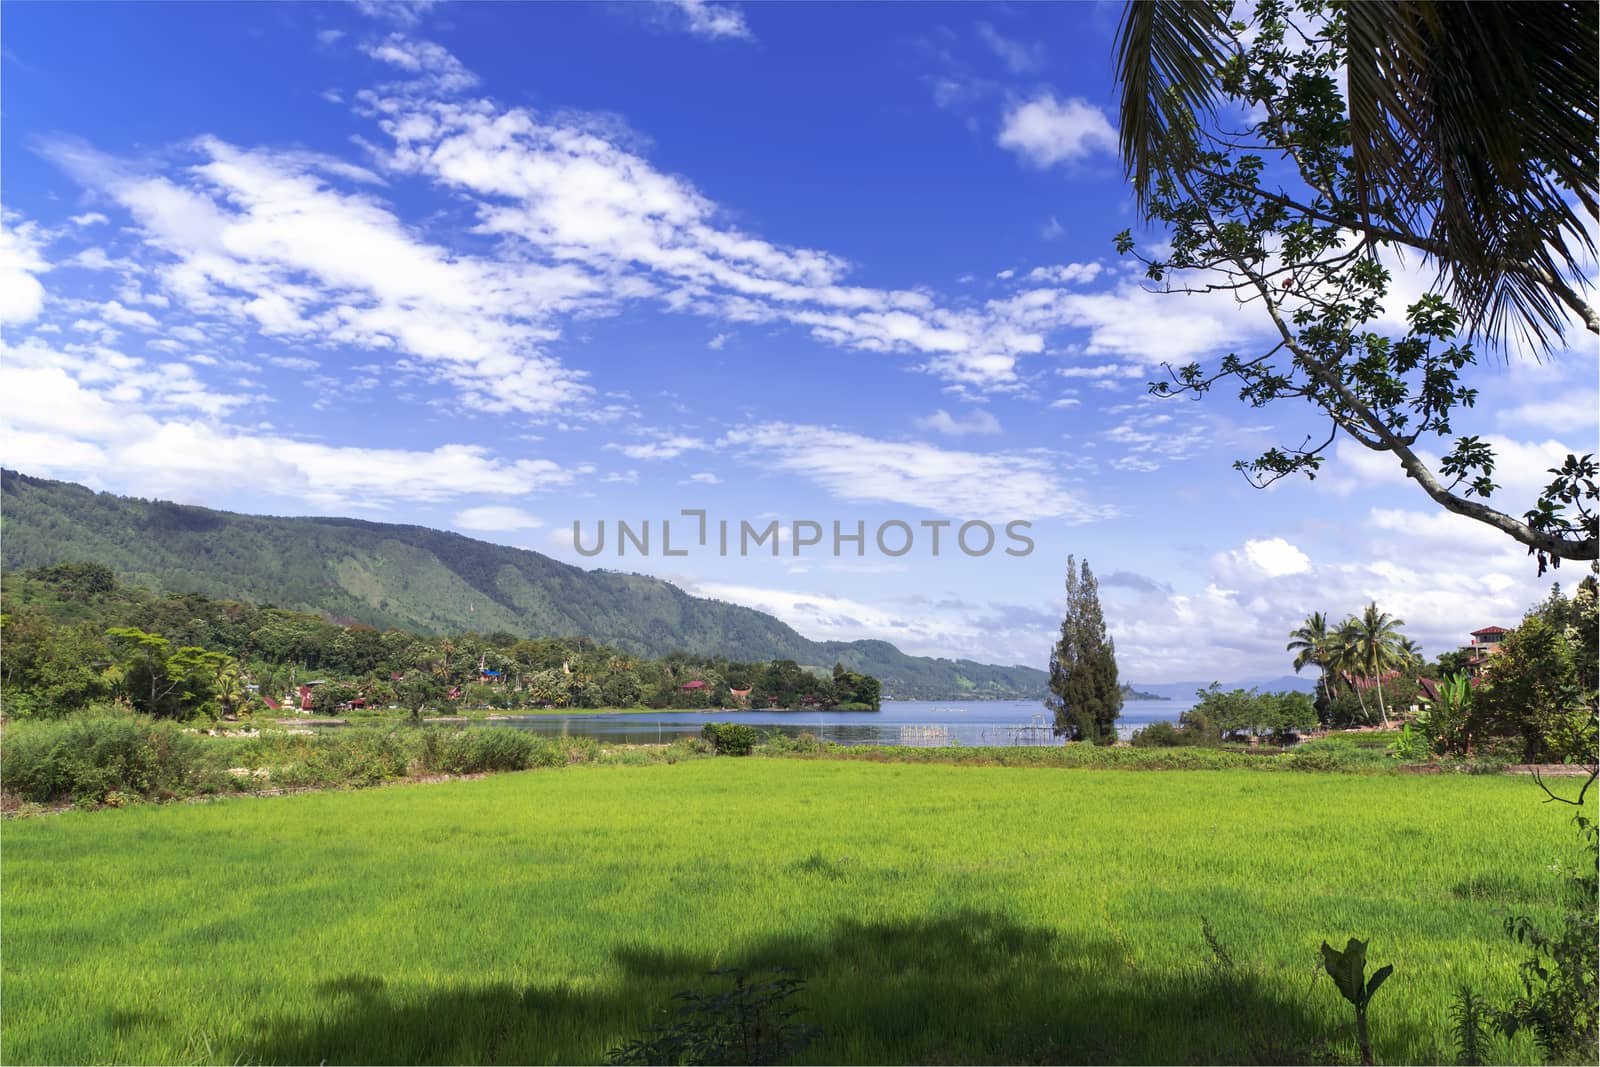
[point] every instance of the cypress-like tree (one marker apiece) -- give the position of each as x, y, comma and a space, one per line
1084, 694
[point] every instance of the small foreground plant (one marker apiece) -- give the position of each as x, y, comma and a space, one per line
752, 1023
1471, 1028
1348, 971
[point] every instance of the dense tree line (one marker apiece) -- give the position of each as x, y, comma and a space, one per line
1537, 687
74, 635
1366, 666
1234, 715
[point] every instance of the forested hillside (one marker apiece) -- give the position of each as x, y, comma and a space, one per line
76, 637
433, 582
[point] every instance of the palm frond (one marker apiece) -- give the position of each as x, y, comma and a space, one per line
1474, 124
1169, 59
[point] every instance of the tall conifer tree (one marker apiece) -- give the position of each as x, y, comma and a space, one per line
1084, 694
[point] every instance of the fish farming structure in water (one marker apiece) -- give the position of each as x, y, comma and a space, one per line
1039, 733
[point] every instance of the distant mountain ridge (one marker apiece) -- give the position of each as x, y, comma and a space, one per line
432, 581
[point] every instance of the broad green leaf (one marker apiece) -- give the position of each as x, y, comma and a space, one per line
1378, 977
1346, 969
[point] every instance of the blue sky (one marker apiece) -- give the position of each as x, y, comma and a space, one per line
497, 268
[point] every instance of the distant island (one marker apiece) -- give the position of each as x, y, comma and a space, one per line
1130, 693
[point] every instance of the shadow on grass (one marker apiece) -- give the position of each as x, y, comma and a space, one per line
974, 988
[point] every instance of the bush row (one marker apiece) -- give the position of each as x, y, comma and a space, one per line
109, 760
1329, 755
99, 759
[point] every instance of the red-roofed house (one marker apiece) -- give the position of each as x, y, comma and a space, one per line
1367, 684
1485, 642
696, 684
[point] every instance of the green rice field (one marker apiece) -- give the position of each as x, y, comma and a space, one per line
937, 913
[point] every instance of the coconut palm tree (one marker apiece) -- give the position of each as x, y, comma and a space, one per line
1345, 660
1411, 657
231, 693
1378, 640
1311, 644
1471, 131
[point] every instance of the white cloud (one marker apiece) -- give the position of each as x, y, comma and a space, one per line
425, 58
584, 225
714, 21
825, 617
1103, 370
299, 363
21, 258
1002, 485
1577, 410
497, 519
399, 12
1066, 273
89, 218
665, 446
262, 239
704, 478
976, 421
1522, 469
114, 312
1129, 322
46, 383
570, 192
716, 343
154, 425
1045, 131
1276, 557
1018, 56
1443, 574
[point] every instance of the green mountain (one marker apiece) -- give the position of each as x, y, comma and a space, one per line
388, 575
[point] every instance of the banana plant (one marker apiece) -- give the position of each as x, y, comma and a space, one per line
1348, 971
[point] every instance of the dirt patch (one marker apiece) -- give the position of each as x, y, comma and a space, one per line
1551, 770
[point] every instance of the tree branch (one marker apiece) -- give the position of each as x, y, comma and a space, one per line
1381, 438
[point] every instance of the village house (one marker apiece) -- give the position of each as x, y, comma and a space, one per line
1485, 643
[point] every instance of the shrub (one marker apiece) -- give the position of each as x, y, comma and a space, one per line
690, 747
1451, 725
730, 738
504, 749
750, 1023
781, 744
356, 755
90, 759
1410, 746
1336, 754
1160, 735
476, 750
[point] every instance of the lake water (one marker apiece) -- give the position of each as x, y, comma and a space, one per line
930, 723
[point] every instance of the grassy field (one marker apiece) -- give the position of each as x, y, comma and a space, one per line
938, 913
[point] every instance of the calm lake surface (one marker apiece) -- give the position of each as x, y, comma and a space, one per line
902, 722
